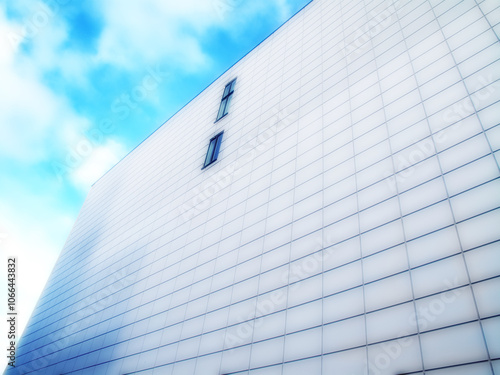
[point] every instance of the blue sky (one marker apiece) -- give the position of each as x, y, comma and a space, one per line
82, 83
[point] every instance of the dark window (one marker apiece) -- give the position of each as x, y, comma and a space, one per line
213, 150
226, 98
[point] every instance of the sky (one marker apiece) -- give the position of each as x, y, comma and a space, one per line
84, 82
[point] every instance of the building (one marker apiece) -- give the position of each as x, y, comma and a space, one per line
329, 205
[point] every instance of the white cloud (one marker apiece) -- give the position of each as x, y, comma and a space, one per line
33, 119
149, 31
146, 32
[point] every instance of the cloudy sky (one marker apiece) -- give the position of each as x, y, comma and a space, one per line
82, 83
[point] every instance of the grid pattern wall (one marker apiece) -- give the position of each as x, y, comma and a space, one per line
350, 225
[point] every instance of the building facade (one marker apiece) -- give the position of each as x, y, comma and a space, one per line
329, 205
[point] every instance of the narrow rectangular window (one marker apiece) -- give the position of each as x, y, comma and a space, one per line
226, 98
213, 150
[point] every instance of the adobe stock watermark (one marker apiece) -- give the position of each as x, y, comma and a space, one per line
484, 88
36, 22
379, 20
202, 194
427, 314
121, 108
89, 307
408, 165
242, 332
224, 7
